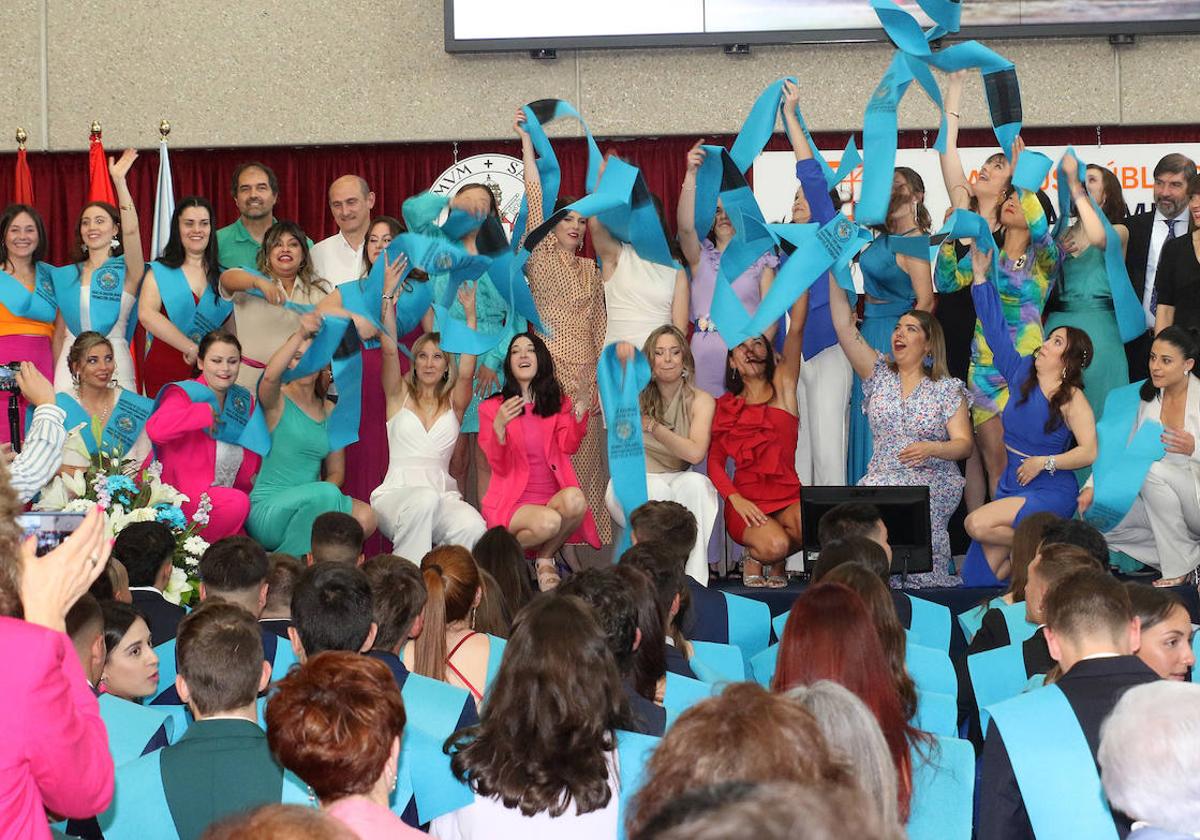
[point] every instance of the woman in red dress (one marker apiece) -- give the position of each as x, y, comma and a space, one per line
756, 424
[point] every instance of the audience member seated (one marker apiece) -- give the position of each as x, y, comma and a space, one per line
222, 764
854, 736
1166, 631
650, 655
113, 583
545, 760
492, 615
280, 822
1149, 760
1054, 733
336, 538
336, 722
1027, 537
608, 594
53, 748
449, 648
331, 610
744, 734
498, 553
665, 569
283, 570
830, 636
147, 550
130, 663
854, 519
768, 811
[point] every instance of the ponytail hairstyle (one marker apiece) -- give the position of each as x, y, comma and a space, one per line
452, 581
1076, 357
1184, 339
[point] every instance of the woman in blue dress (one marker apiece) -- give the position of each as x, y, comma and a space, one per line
1049, 430
894, 283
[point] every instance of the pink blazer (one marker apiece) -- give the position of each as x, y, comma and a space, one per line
53, 744
179, 430
510, 466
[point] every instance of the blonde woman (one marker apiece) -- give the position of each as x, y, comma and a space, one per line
418, 505
677, 429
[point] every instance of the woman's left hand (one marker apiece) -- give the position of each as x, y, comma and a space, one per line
466, 296
1030, 468
916, 454
1179, 441
118, 168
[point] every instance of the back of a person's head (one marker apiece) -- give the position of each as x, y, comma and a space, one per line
853, 734
113, 583
650, 658
499, 553
664, 567
333, 722
283, 570
1089, 607
770, 810
1079, 533
233, 565
144, 547
1027, 537
1152, 605
606, 592
851, 549
492, 615
746, 734
1149, 755
336, 538
849, 519
1052, 564
453, 586
331, 608
279, 822
397, 598
549, 724
219, 654
85, 619
665, 522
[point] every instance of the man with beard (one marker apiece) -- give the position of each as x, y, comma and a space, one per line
255, 191
1148, 232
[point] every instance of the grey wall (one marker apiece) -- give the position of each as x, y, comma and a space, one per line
281, 72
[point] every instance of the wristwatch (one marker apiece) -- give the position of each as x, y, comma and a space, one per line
1051, 467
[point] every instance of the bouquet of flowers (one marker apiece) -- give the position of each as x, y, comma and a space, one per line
127, 495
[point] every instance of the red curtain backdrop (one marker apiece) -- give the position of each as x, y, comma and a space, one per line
397, 171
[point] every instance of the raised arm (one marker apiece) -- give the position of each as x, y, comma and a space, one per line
533, 178
955, 179
685, 213
1088, 218
991, 316
463, 388
159, 325
793, 344
390, 375
131, 237
607, 246
272, 377
791, 101
681, 302
862, 356
921, 277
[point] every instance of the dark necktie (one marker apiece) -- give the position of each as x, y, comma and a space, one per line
1170, 223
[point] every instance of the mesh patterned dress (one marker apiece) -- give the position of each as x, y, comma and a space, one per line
569, 293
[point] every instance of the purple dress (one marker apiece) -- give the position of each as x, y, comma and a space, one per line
895, 423
708, 349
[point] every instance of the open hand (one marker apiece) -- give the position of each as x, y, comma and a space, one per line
51, 585
751, 514
118, 168
1179, 441
695, 156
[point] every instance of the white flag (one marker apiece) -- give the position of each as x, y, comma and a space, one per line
164, 204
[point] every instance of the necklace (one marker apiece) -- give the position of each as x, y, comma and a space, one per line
101, 415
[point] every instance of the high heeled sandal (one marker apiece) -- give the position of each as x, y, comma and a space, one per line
547, 574
1192, 578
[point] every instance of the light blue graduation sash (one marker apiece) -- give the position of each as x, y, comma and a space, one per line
1196, 652
434, 708
682, 693
125, 422
930, 625
633, 751
1054, 767
779, 622
166, 666
1122, 462
620, 387
971, 620
104, 292
943, 790
763, 664
131, 726
139, 808
1020, 628
996, 675
716, 663
193, 319
930, 668
38, 304
622, 203
937, 713
749, 623
496, 647
347, 374
241, 421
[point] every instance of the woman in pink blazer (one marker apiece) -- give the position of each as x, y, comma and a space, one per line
209, 436
53, 744
528, 433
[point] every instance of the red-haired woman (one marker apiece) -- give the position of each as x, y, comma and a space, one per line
336, 722
830, 636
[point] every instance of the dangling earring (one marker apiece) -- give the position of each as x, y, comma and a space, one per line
928, 360
116, 243
472, 618
446, 376
312, 797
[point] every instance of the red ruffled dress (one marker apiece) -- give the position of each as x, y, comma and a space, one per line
761, 440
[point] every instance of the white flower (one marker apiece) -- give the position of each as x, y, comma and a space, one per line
143, 515
195, 546
55, 495
160, 492
177, 586
79, 506
76, 445
154, 471
76, 483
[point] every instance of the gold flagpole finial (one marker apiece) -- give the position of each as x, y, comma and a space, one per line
22, 137
164, 128
96, 127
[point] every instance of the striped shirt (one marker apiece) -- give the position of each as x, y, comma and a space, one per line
41, 452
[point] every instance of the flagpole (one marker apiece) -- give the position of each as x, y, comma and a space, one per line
23, 180
164, 197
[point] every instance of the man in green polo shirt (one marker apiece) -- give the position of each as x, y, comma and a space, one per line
255, 191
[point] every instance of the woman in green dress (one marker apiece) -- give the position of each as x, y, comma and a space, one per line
289, 492
1084, 299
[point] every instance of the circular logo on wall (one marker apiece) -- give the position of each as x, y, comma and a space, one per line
503, 175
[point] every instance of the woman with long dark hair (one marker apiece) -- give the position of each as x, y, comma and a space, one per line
528, 433
1049, 429
1162, 527
756, 423
543, 759
1166, 630
181, 296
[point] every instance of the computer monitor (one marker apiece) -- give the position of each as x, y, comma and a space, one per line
905, 511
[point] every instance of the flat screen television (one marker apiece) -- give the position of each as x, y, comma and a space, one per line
905, 511
486, 25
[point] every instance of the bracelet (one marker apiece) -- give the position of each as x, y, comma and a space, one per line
126, 206
1051, 468
388, 297
954, 114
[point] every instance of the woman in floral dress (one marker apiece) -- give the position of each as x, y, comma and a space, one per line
918, 418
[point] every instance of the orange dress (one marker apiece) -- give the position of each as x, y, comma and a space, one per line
569, 293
